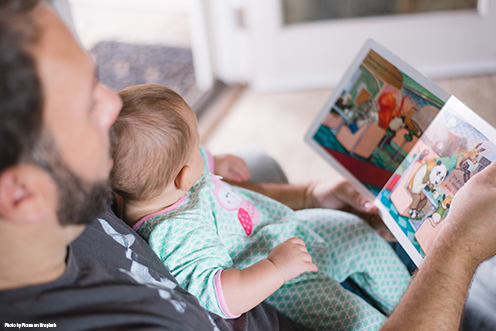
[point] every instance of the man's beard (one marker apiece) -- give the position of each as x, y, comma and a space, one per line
80, 201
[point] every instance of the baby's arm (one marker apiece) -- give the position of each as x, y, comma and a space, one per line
246, 288
231, 168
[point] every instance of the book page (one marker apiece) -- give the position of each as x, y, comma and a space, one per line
416, 200
374, 118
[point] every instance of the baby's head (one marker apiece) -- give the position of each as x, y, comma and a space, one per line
155, 145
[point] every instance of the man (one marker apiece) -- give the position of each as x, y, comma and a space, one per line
54, 165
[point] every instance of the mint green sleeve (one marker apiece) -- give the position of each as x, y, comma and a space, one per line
208, 160
193, 252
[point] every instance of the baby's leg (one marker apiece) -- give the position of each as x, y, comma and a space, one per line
357, 251
323, 304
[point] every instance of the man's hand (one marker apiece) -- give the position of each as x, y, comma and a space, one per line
341, 195
231, 168
471, 221
291, 258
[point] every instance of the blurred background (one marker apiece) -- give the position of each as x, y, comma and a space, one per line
259, 71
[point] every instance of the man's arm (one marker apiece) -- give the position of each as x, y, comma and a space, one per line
436, 297
333, 194
294, 196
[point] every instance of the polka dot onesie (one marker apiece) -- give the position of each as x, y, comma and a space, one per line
216, 227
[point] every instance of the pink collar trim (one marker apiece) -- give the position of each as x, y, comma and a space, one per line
146, 218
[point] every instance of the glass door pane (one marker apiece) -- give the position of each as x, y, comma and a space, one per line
301, 11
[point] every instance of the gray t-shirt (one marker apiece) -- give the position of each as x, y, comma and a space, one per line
114, 281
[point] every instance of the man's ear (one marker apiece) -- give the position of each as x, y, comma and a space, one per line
182, 179
27, 195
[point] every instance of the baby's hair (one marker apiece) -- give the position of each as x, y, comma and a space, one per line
151, 141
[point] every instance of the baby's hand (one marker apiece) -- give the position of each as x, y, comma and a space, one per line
291, 258
231, 167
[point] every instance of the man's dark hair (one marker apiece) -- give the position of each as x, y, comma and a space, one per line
22, 137
21, 96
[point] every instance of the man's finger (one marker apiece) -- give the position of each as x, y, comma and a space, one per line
355, 199
386, 235
243, 172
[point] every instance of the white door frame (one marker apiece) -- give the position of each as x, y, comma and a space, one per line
228, 45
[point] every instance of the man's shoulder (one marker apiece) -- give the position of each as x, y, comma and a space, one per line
112, 280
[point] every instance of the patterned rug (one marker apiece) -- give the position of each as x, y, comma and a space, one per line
122, 64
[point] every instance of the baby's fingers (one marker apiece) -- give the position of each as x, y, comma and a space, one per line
305, 257
307, 265
240, 168
297, 241
299, 244
311, 267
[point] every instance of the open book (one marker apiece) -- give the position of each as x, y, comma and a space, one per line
403, 142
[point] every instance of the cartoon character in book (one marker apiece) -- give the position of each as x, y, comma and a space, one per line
428, 176
368, 113
463, 158
388, 108
397, 123
441, 210
472, 156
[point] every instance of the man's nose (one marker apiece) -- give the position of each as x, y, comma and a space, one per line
111, 107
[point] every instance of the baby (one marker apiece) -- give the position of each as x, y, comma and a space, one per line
233, 248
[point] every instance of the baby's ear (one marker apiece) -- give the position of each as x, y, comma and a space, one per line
182, 181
